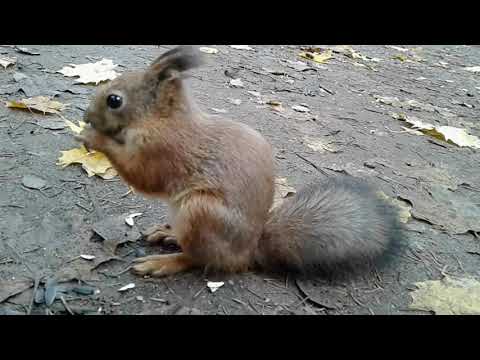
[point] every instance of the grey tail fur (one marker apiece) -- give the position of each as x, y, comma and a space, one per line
334, 226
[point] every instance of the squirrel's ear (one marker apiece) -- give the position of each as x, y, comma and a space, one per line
177, 60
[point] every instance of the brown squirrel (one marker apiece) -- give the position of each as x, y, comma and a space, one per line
217, 176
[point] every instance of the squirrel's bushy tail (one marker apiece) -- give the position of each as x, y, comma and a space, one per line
338, 224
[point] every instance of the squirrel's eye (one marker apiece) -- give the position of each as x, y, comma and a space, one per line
114, 101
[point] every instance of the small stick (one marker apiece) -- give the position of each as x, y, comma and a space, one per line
254, 293
62, 299
98, 211
83, 207
356, 301
312, 164
158, 300
198, 292
35, 288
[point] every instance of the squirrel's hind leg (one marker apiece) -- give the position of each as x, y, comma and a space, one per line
162, 265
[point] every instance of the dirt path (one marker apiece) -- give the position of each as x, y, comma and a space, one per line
43, 232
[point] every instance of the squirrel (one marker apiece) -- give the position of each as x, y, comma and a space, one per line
217, 176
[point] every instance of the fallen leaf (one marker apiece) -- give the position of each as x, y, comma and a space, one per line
242, 47
6, 61
300, 108
454, 212
474, 69
24, 50
459, 136
400, 57
114, 232
299, 65
257, 94
77, 129
208, 50
129, 218
394, 101
42, 104
351, 53
127, 287
317, 144
414, 122
234, 101
397, 48
12, 288
403, 207
93, 162
109, 174
317, 57
87, 257
447, 296
238, 83
413, 105
455, 135
91, 72
273, 103
219, 111
412, 131
282, 191
33, 182
214, 286
51, 289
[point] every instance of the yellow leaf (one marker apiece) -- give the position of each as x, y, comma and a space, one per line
317, 144
448, 296
92, 72
317, 57
39, 103
459, 136
455, 135
77, 129
400, 57
94, 163
109, 174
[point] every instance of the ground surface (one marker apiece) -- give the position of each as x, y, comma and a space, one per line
42, 233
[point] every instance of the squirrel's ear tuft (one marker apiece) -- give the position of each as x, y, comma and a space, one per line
179, 59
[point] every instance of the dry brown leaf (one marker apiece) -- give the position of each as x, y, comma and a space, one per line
317, 144
94, 163
41, 104
6, 61
448, 296
91, 73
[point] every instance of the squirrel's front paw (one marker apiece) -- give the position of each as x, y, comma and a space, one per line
90, 138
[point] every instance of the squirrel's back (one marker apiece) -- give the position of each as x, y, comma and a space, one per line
332, 225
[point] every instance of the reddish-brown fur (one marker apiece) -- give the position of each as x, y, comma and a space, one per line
217, 175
